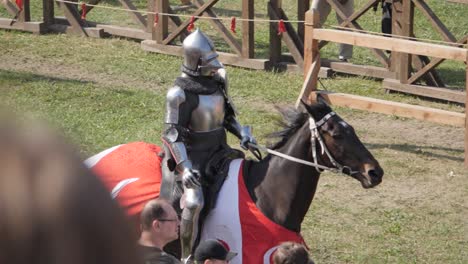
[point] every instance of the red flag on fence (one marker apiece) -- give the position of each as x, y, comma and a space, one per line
83, 11
156, 19
191, 24
19, 3
281, 27
233, 25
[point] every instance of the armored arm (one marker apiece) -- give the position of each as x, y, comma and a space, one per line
244, 133
175, 134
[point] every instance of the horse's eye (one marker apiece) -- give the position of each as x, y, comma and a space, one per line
336, 135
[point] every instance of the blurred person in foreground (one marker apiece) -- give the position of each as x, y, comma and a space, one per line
291, 253
159, 225
52, 209
213, 251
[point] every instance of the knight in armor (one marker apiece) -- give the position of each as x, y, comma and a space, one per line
198, 113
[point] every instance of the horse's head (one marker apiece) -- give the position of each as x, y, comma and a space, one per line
337, 146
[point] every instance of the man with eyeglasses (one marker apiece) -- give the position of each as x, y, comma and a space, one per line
159, 226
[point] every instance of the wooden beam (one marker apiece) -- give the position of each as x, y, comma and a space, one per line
434, 63
312, 59
126, 32
162, 28
248, 29
298, 42
458, 1
310, 82
136, 16
33, 27
88, 31
25, 14
275, 40
466, 113
324, 72
89, 8
293, 48
396, 30
356, 15
71, 13
218, 25
302, 8
425, 91
182, 27
48, 12
400, 45
406, 21
431, 78
226, 58
435, 21
352, 18
311, 48
353, 24
10, 7
175, 22
361, 70
394, 108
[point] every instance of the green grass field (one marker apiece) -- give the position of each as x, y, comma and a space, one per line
104, 92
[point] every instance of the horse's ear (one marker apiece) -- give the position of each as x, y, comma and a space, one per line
306, 106
322, 100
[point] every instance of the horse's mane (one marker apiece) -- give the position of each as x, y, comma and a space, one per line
293, 119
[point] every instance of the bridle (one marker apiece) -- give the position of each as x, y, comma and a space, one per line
315, 136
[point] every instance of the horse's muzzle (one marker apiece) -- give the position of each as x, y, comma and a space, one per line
373, 175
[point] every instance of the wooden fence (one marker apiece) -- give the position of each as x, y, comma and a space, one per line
396, 70
243, 51
312, 63
406, 54
20, 18
411, 68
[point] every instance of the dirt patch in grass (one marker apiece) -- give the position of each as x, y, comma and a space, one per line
60, 69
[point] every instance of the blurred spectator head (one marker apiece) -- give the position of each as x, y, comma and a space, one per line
291, 253
53, 210
213, 251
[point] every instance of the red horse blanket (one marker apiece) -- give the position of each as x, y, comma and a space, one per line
132, 172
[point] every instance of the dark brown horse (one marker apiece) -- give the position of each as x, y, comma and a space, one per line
294, 184
282, 189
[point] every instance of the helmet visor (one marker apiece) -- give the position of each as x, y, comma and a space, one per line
209, 64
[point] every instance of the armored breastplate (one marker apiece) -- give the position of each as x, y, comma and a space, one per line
209, 114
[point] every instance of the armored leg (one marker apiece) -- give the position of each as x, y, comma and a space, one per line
169, 177
193, 201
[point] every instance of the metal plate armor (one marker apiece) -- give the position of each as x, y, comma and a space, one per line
209, 114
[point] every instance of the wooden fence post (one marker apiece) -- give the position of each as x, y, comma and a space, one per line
302, 8
407, 18
25, 15
466, 107
161, 31
275, 39
248, 40
311, 56
48, 12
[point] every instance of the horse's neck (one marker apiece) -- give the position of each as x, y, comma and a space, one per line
282, 189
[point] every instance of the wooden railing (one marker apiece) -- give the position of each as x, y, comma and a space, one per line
312, 65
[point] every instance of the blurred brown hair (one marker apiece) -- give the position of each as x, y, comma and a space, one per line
52, 209
291, 253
